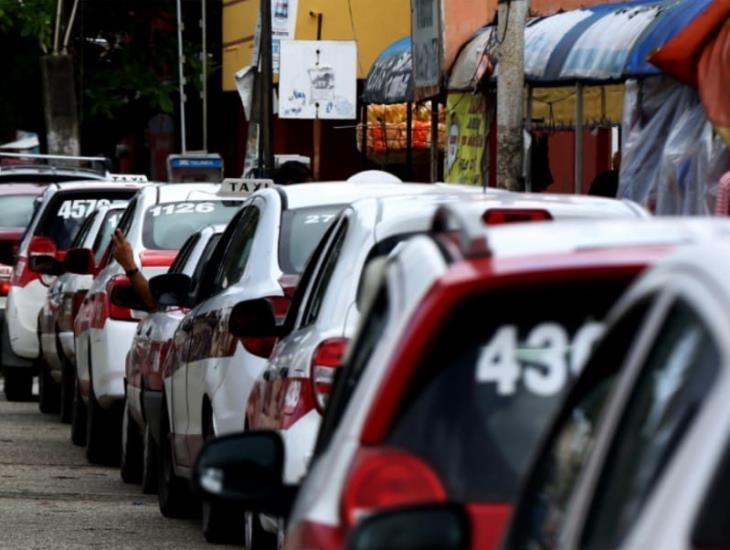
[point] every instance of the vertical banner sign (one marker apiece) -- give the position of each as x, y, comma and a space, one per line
427, 47
283, 27
466, 126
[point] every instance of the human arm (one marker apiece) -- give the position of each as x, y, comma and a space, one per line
125, 256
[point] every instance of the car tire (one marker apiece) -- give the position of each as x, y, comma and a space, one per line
255, 537
78, 417
49, 391
68, 381
18, 384
132, 452
150, 455
173, 492
221, 523
103, 429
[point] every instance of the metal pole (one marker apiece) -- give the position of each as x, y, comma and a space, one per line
364, 136
204, 71
409, 138
528, 153
512, 18
57, 30
267, 76
434, 139
181, 78
578, 138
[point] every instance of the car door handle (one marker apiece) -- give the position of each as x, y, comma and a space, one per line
267, 375
284, 372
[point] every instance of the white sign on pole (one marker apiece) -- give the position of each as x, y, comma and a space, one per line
283, 27
318, 79
426, 45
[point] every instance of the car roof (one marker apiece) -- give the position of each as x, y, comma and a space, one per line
312, 194
574, 236
39, 173
174, 192
96, 184
22, 189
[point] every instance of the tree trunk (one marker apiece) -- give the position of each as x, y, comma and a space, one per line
59, 105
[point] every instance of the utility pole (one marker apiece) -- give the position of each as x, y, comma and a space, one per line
181, 79
512, 16
204, 70
266, 74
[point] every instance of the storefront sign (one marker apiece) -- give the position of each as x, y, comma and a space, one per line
466, 126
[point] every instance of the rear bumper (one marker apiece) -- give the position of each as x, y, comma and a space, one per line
8, 358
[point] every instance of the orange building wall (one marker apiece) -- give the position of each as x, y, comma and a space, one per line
548, 7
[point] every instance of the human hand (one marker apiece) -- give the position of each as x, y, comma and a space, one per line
123, 251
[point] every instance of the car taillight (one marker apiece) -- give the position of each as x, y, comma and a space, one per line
325, 360
116, 312
309, 534
499, 216
4, 286
157, 258
386, 478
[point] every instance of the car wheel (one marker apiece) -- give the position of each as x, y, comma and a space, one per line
78, 417
49, 391
18, 384
173, 493
255, 536
103, 429
68, 379
150, 456
131, 455
221, 522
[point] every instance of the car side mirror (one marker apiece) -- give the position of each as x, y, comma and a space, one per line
253, 319
80, 261
443, 526
171, 289
41, 246
45, 265
127, 297
246, 469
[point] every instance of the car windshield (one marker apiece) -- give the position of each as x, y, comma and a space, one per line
168, 225
67, 211
489, 384
16, 210
301, 230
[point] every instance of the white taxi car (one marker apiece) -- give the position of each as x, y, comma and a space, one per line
157, 222
209, 373
57, 371
58, 216
143, 378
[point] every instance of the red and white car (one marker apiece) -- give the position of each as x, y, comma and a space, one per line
143, 378
58, 216
57, 371
157, 222
453, 376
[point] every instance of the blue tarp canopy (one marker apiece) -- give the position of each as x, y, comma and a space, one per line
389, 80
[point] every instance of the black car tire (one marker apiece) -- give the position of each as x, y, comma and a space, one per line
68, 385
18, 384
78, 417
150, 457
49, 391
131, 452
173, 492
255, 536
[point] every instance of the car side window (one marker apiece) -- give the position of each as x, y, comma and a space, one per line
205, 258
349, 375
677, 374
237, 252
545, 497
84, 230
182, 257
325, 275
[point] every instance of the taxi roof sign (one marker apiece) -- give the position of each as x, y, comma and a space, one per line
128, 178
243, 186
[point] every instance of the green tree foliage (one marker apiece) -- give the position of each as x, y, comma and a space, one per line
29, 18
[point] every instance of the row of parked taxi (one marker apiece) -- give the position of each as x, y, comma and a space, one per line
373, 364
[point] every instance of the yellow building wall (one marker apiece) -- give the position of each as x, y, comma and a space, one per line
374, 25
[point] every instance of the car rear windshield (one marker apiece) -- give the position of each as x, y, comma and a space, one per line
66, 212
168, 225
301, 230
492, 378
104, 236
16, 210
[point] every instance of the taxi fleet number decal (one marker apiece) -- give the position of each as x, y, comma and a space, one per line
183, 208
81, 208
319, 218
545, 362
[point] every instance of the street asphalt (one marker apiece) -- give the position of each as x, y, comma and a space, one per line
50, 497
